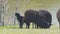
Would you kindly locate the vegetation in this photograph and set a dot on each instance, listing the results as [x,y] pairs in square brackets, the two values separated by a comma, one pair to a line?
[16,30]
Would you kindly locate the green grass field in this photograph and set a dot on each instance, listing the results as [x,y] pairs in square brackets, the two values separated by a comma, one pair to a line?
[17,30]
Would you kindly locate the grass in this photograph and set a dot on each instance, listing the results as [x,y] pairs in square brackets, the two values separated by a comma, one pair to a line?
[17,30]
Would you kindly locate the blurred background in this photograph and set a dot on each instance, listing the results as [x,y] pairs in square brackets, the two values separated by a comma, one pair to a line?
[8,8]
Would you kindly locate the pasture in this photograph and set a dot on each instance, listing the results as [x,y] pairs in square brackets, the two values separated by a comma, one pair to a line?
[16,30]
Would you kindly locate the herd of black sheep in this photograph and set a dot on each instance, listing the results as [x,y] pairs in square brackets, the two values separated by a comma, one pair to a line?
[39,19]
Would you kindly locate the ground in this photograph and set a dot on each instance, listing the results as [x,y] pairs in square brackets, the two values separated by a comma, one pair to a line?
[17,30]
